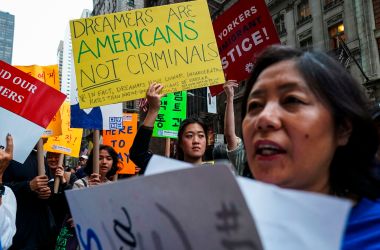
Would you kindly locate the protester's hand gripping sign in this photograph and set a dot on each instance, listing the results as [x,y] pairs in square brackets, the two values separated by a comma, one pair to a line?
[116,56]
[242,32]
[27,106]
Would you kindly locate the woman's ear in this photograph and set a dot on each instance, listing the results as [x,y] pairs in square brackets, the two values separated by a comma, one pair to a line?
[344,133]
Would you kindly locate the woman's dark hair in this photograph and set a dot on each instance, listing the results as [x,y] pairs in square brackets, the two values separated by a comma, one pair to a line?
[350,173]
[182,127]
[115,161]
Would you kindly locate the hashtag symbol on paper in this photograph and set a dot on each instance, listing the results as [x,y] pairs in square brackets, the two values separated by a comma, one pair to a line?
[228,219]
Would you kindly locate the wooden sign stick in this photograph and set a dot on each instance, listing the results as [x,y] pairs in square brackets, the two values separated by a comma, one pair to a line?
[95,159]
[40,157]
[56,179]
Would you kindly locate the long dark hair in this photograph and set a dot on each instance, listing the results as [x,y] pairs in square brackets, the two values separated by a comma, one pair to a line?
[350,169]
[182,127]
[115,161]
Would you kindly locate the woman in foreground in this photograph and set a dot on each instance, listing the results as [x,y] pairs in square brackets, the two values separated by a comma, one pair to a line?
[306,126]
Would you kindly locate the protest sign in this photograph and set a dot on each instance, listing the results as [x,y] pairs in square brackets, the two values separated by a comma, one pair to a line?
[211,102]
[27,106]
[172,112]
[118,55]
[295,217]
[197,208]
[242,32]
[70,141]
[283,215]
[121,140]
[49,75]
[102,118]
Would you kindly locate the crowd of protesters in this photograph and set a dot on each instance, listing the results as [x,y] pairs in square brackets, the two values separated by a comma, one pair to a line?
[306,125]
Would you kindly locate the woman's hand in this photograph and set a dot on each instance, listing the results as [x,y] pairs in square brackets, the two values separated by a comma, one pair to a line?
[44,193]
[229,88]
[94,179]
[38,183]
[60,172]
[153,95]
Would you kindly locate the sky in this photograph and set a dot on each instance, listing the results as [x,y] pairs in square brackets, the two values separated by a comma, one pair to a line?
[39,26]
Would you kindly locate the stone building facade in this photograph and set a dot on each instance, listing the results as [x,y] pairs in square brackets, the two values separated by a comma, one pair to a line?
[347,29]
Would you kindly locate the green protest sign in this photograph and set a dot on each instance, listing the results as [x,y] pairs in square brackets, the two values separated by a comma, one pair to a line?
[171,114]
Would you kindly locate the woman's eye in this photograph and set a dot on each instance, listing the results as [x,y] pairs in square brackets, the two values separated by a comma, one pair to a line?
[254,106]
[292,100]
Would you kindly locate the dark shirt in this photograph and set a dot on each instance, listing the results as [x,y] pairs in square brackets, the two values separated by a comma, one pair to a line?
[80,173]
[34,220]
[139,152]
[58,203]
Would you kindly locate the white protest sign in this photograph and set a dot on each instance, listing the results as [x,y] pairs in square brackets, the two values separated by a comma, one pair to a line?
[197,208]
[295,220]
[286,219]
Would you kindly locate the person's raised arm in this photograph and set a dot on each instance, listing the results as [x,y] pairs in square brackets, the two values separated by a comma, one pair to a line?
[139,152]
[229,115]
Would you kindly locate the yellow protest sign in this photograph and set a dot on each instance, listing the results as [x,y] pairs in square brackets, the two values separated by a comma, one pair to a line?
[69,142]
[49,75]
[117,55]
[121,140]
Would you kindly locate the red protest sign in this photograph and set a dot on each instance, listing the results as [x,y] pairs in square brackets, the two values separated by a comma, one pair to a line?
[27,106]
[24,95]
[241,33]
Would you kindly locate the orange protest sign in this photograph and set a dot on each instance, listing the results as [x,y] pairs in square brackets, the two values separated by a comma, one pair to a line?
[121,140]
[49,75]
[69,142]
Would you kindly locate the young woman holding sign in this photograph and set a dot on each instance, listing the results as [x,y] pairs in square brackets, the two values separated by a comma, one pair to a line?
[192,136]
[108,165]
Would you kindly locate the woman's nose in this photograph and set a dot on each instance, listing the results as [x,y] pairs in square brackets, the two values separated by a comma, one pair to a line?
[196,139]
[269,117]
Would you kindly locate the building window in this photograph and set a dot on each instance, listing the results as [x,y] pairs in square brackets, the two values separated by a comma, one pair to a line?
[336,33]
[306,43]
[304,14]
[328,4]
[279,22]
[303,9]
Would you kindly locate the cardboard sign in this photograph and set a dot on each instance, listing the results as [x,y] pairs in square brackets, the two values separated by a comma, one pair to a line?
[197,208]
[118,55]
[172,113]
[70,141]
[49,75]
[121,140]
[242,32]
[108,117]
[283,215]
[27,106]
